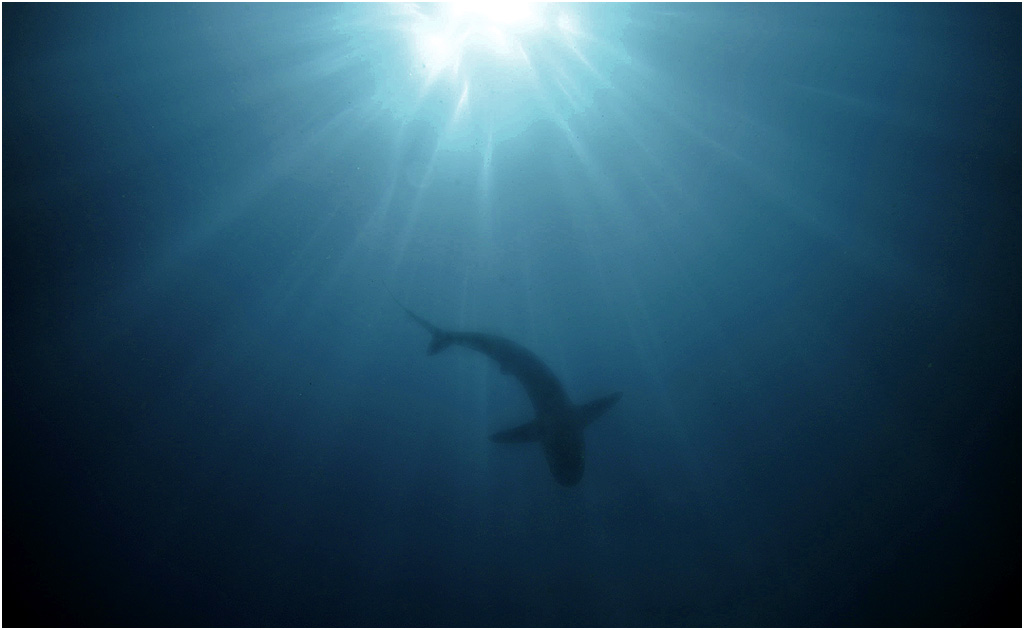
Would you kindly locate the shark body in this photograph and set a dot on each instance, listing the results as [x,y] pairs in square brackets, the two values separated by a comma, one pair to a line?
[558,424]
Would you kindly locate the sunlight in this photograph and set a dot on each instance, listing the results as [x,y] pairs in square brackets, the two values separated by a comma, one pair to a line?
[438,53]
[448,38]
[513,14]
[493,66]
[475,70]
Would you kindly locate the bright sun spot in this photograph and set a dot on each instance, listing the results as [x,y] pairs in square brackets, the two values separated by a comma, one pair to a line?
[488,70]
[513,14]
[456,35]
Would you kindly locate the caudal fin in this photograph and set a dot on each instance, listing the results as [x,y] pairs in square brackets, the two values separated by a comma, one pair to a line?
[440,340]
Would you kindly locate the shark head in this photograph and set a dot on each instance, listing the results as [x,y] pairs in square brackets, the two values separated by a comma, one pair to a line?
[563,448]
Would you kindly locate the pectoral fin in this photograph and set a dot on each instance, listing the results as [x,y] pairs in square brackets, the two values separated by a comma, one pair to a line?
[529,432]
[593,410]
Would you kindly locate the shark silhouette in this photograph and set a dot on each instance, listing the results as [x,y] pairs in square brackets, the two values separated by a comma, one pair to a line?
[558,424]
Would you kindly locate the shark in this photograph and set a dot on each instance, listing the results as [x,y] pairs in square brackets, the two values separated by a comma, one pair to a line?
[558,423]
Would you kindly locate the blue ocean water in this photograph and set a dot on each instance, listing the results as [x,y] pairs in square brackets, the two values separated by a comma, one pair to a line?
[789,234]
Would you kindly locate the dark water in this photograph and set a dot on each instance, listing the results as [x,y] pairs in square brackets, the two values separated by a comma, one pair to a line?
[789,234]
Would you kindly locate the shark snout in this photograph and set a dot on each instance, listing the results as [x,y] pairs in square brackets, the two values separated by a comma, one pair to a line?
[565,458]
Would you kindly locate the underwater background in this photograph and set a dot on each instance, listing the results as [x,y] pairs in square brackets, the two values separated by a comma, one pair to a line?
[789,234]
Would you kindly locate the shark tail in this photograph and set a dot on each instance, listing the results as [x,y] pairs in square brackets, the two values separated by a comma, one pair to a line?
[441,339]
